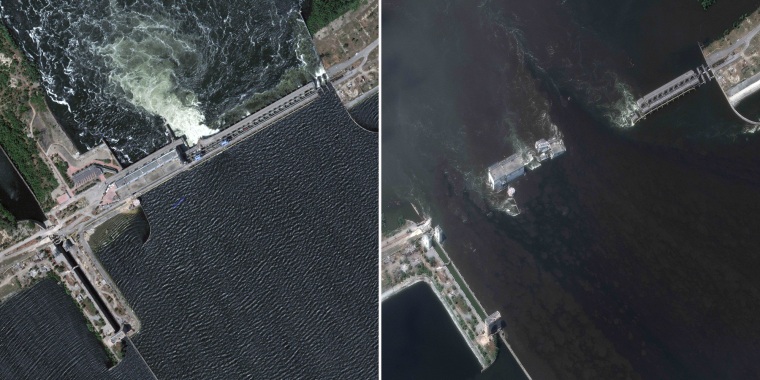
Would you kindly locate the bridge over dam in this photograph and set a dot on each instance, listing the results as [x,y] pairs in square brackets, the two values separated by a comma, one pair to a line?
[670,91]
[176,157]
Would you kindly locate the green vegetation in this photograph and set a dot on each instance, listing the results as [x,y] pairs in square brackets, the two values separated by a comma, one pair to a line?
[707,3]
[323,12]
[86,187]
[462,285]
[7,220]
[62,167]
[16,93]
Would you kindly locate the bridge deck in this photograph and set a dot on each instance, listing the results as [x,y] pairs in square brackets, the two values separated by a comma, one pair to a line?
[147,164]
[670,90]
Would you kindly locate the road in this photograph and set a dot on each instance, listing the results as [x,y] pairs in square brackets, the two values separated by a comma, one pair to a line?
[362,54]
[410,231]
[86,217]
[720,54]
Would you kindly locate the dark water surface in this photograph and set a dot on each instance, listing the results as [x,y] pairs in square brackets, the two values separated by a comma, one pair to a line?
[15,196]
[268,269]
[423,342]
[635,253]
[120,70]
[43,335]
[367,112]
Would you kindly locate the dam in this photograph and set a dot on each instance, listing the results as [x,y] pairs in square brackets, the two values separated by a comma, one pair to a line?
[670,91]
[119,193]
[177,156]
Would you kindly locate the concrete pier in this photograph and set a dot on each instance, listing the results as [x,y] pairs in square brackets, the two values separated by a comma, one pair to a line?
[410,256]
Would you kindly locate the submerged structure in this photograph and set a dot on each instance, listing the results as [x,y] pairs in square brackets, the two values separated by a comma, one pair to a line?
[503,172]
[506,171]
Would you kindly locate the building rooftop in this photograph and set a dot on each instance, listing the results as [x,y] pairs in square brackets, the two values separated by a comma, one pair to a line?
[505,167]
[557,146]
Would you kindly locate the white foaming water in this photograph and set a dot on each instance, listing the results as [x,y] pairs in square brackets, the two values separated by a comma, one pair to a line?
[622,112]
[143,61]
[320,71]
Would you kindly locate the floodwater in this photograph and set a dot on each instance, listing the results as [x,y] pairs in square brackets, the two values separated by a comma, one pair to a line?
[635,252]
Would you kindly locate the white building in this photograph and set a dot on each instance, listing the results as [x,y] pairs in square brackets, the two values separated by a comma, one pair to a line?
[438,234]
[506,171]
[425,242]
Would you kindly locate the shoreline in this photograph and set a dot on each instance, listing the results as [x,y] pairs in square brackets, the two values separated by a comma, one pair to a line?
[744,89]
[725,95]
[399,288]
[435,268]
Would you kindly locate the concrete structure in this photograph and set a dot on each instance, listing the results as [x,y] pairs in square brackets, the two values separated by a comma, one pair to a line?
[556,147]
[172,159]
[717,60]
[438,235]
[671,90]
[494,323]
[86,175]
[425,242]
[506,171]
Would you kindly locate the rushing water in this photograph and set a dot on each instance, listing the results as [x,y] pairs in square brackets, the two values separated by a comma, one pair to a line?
[120,70]
[268,268]
[43,335]
[635,253]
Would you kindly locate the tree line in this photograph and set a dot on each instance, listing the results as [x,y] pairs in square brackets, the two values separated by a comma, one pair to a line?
[322,12]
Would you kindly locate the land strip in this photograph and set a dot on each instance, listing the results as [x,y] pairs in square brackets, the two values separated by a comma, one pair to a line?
[408,257]
[735,58]
[349,50]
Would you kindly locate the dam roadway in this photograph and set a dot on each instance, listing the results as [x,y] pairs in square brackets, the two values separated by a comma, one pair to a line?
[670,91]
[172,159]
[106,200]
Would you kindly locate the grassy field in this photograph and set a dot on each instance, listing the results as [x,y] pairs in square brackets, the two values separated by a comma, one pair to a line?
[461,283]
[9,289]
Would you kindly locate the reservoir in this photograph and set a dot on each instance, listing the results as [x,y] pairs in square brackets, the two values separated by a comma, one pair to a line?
[421,341]
[262,267]
[44,336]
